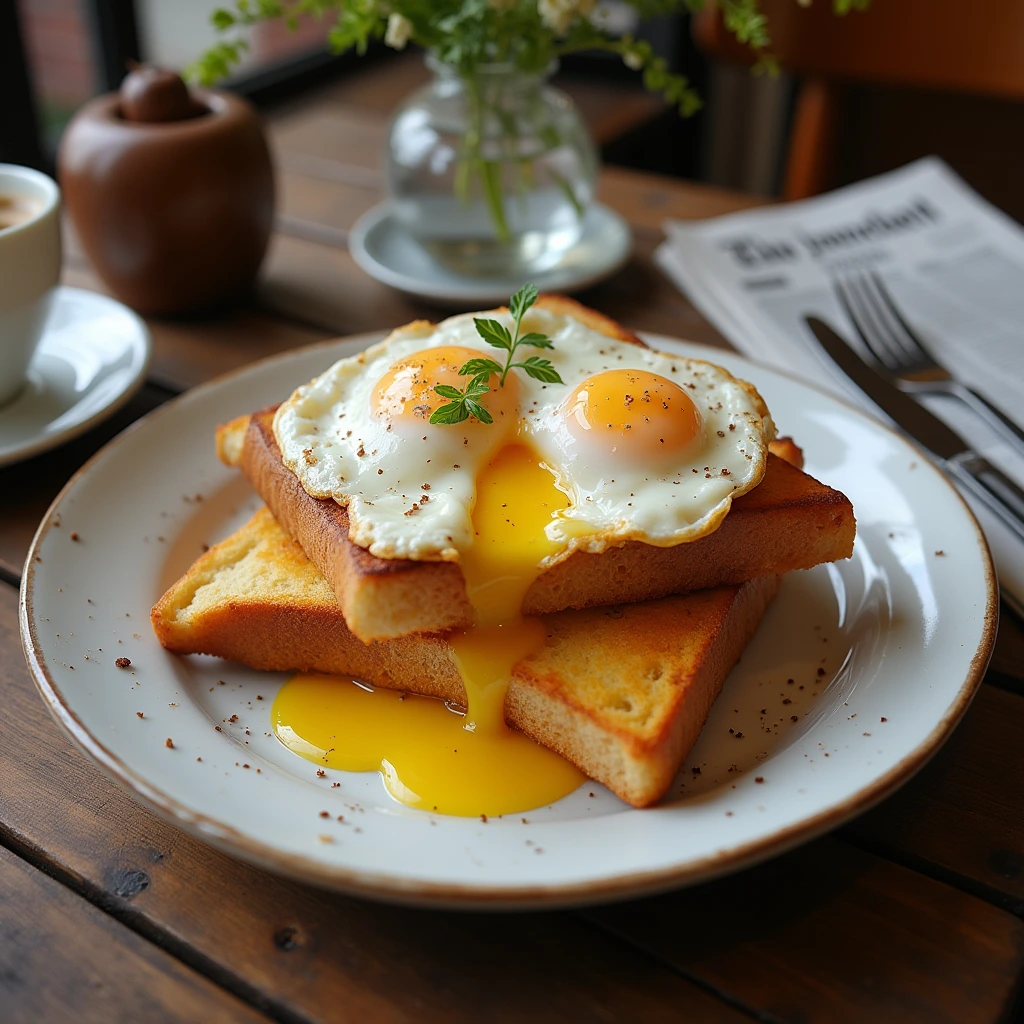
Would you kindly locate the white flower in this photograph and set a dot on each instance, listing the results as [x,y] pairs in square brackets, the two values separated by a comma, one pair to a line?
[632,60]
[398,32]
[558,15]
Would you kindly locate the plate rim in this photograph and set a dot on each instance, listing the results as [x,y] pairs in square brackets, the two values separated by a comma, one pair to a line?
[382,211]
[472,896]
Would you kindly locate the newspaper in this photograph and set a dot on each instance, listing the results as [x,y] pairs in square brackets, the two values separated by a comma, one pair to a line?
[953,263]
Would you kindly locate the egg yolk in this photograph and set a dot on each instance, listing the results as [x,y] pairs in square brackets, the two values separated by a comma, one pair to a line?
[632,414]
[516,498]
[430,757]
[406,391]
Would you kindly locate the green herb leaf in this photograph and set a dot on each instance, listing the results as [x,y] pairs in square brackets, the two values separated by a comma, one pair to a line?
[522,301]
[494,333]
[464,404]
[540,369]
[480,366]
[478,385]
[453,412]
[477,410]
[536,340]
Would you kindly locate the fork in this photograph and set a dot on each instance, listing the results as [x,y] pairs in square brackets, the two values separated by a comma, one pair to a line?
[900,351]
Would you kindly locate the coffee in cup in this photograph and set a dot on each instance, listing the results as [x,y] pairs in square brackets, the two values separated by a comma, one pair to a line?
[15,210]
[29,268]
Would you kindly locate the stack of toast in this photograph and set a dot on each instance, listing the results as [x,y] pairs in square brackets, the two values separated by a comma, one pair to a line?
[639,638]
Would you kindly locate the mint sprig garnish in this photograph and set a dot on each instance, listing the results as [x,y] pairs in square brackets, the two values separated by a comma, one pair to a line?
[464,404]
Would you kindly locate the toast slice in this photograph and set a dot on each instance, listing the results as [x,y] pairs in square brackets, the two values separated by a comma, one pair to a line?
[789,521]
[621,691]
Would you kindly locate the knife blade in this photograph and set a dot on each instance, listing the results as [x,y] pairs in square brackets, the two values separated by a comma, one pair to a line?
[913,418]
[977,475]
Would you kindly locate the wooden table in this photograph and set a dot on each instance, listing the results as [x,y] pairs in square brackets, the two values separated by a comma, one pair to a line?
[911,913]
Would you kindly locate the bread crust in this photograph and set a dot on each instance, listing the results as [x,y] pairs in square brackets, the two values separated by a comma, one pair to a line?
[622,692]
[789,521]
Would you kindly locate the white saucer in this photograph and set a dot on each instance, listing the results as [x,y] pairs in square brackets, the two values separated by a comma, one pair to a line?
[386,251]
[92,359]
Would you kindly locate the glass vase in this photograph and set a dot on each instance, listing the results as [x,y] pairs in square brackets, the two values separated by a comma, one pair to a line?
[491,172]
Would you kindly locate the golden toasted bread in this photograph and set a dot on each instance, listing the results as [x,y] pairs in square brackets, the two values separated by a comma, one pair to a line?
[621,691]
[789,521]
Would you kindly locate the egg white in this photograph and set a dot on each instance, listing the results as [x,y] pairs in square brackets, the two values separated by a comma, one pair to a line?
[383,471]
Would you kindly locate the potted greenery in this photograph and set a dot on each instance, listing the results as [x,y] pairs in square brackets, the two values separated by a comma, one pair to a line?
[489,168]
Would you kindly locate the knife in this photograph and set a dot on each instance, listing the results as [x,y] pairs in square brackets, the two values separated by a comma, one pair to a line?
[977,475]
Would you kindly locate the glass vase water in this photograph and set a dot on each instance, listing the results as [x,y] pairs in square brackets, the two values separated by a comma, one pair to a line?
[491,172]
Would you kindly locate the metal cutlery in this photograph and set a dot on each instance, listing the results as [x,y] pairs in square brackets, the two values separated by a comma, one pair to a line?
[904,355]
[977,475]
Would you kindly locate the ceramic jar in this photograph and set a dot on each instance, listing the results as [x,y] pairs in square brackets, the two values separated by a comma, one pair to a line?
[174,215]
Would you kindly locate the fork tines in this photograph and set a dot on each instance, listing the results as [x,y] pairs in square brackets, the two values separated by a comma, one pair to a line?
[879,323]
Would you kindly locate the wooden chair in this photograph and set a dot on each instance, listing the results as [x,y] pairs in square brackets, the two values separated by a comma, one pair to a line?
[975,48]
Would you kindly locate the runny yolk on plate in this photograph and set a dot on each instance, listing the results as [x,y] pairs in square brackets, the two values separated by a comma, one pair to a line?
[431,757]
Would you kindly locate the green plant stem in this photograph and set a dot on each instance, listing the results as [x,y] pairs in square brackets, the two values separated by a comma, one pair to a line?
[567,191]
[472,159]
[515,343]
[490,178]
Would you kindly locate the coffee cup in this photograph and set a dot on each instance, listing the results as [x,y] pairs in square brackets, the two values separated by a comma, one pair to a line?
[29,268]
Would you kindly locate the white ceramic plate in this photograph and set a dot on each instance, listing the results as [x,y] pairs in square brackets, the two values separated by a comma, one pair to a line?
[885,652]
[90,361]
[386,251]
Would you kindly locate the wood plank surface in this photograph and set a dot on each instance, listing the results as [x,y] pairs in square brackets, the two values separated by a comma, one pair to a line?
[322,285]
[909,914]
[291,948]
[962,814]
[1008,656]
[58,809]
[61,959]
[189,351]
[347,148]
[830,933]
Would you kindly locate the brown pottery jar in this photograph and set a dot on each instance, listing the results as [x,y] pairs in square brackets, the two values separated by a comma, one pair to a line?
[171,192]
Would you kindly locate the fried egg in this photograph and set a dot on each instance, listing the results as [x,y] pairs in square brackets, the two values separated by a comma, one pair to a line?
[645,445]
[633,445]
